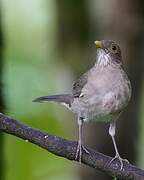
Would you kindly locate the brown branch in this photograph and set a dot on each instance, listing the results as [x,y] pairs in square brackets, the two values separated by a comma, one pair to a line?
[67,149]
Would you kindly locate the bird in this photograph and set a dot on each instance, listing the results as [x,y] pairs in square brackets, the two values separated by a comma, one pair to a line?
[99,95]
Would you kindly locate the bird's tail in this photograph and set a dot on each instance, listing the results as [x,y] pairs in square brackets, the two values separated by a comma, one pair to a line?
[65,99]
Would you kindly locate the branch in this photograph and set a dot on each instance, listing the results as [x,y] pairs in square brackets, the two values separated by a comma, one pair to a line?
[67,149]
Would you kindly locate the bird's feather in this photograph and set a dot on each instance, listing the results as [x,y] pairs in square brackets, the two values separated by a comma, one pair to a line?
[79,84]
[61,98]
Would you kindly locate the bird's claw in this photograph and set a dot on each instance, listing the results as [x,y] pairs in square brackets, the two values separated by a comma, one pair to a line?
[117,156]
[86,151]
[79,152]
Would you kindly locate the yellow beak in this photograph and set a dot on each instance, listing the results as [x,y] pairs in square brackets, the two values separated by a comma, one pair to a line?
[98,44]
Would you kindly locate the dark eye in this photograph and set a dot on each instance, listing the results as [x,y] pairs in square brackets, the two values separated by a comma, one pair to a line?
[114,48]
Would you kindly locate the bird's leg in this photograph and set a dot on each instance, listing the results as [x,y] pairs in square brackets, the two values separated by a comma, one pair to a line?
[80,147]
[112,134]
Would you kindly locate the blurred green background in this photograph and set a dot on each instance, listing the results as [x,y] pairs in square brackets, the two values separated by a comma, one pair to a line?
[45,45]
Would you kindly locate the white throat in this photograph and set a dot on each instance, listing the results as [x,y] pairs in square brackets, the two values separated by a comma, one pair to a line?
[103,58]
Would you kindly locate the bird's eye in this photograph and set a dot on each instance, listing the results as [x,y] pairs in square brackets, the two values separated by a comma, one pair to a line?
[114,48]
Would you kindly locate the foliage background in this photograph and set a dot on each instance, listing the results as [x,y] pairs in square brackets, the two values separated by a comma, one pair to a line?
[35,64]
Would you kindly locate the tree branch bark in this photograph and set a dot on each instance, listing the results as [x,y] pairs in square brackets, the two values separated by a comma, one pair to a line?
[67,149]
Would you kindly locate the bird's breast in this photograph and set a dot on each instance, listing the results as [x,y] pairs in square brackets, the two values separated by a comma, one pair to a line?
[105,95]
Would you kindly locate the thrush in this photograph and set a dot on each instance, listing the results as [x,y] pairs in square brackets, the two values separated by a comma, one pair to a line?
[101,94]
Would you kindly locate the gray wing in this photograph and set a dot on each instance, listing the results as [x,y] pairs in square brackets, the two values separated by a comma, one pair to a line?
[79,84]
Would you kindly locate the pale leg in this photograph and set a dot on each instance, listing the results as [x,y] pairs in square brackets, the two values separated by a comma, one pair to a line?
[112,134]
[80,147]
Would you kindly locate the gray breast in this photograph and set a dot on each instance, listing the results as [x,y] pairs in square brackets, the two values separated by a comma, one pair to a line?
[105,94]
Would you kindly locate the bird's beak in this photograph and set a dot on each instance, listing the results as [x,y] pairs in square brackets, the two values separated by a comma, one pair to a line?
[98,44]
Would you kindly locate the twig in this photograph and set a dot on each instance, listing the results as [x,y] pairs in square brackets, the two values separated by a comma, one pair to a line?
[67,149]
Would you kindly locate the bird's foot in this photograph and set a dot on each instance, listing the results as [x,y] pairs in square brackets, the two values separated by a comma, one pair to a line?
[79,152]
[86,151]
[117,156]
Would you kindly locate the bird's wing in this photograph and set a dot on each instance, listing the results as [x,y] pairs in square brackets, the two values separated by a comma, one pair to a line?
[79,84]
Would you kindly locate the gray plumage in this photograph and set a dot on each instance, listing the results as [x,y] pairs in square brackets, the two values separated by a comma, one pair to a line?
[105,94]
[100,94]
[79,84]
[62,98]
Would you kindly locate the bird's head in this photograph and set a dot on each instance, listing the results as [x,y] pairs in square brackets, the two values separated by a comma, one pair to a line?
[108,52]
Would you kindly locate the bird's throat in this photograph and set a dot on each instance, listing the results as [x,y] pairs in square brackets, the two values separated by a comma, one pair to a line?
[103,58]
